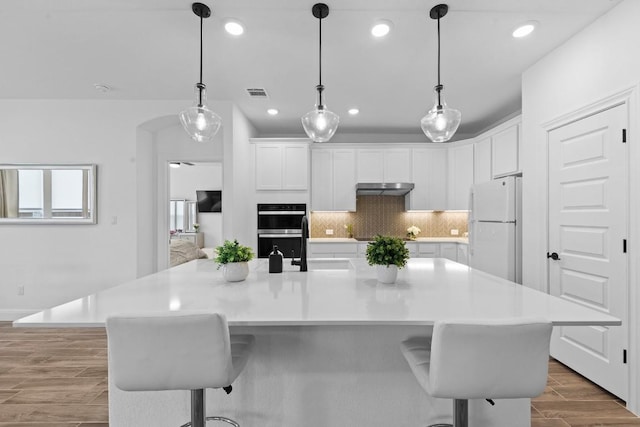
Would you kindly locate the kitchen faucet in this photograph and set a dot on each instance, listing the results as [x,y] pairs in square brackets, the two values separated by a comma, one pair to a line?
[303,246]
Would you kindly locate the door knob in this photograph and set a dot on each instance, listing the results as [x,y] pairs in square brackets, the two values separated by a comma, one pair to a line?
[554,256]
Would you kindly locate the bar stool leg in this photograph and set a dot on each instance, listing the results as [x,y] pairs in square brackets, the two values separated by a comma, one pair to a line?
[197,408]
[460,413]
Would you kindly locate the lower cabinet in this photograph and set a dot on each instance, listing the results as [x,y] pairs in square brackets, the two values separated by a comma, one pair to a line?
[450,250]
[332,250]
[463,254]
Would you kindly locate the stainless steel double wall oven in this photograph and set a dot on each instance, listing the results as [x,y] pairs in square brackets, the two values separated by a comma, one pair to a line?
[280,224]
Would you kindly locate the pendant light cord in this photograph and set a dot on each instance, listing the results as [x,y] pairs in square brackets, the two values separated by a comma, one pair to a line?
[320,53]
[439,87]
[201,21]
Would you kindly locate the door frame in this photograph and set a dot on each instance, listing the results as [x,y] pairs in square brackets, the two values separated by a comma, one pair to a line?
[630,98]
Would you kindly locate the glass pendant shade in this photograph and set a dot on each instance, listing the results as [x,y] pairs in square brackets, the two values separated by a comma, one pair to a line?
[200,122]
[441,122]
[320,124]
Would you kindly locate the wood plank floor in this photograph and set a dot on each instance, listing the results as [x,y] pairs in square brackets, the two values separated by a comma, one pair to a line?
[58,378]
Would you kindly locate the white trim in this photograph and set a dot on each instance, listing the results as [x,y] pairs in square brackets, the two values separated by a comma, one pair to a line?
[633,358]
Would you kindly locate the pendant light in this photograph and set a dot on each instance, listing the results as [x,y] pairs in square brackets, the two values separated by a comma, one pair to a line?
[320,124]
[441,122]
[198,120]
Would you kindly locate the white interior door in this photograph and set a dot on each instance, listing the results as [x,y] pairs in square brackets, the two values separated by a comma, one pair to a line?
[587,226]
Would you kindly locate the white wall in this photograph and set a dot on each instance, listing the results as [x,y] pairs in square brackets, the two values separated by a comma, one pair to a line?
[183,183]
[132,143]
[598,62]
[56,263]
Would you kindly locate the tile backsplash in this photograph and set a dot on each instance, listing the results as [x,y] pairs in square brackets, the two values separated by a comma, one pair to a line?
[386,215]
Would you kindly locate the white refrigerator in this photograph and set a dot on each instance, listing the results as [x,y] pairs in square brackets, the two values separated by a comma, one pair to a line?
[495,234]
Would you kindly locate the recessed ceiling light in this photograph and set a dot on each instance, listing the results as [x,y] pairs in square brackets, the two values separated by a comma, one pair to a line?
[233,27]
[272,111]
[381,28]
[524,29]
[353,111]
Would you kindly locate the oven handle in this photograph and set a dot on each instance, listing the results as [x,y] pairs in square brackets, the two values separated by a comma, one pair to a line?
[281,212]
[281,236]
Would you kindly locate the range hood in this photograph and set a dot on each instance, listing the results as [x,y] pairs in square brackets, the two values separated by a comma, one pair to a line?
[383,188]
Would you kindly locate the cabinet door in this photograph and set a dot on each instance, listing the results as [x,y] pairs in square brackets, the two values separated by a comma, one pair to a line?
[418,198]
[449,251]
[397,165]
[460,176]
[344,180]
[370,165]
[428,250]
[268,167]
[321,180]
[295,171]
[463,256]
[482,161]
[437,182]
[506,151]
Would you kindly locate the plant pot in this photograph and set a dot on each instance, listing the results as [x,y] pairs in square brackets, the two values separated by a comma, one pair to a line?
[387,273]
[235,271]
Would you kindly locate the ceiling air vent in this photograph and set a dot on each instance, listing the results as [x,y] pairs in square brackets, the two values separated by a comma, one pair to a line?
[257,93]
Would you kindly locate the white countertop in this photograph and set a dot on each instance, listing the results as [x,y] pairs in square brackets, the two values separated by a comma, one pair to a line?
[427,290]
[464,240]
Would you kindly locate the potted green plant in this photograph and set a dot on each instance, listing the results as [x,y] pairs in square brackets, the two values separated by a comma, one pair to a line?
[234,258]
[388,254]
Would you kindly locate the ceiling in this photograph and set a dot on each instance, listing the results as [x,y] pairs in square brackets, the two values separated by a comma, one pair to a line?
[149,49]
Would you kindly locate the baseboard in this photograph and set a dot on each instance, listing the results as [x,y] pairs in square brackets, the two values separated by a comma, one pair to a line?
[11,314]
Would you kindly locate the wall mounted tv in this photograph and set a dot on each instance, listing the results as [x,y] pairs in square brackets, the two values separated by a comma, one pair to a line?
[209,201]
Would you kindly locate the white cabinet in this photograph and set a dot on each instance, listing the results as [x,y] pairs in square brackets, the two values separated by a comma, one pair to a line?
[333,180]
[482,161]
[506,148]
[370,165]
[282,166]
[449,251]
[463,254]
[428,250]
[384,165]
[397,165]
[333,250]
[429,174]
[460,175]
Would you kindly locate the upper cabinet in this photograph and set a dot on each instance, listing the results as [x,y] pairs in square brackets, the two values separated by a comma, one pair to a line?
[506,149]
[384,165]
[282,166]
[482,161]
[460,176]
[333,179]
[429,175]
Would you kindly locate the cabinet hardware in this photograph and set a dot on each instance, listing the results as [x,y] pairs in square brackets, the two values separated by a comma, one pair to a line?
[624,135]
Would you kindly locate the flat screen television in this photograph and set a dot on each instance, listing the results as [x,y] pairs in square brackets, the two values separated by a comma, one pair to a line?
[209,201]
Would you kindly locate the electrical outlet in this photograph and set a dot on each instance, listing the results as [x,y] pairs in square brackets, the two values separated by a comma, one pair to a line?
[20,289]
[329,231]
[454,231]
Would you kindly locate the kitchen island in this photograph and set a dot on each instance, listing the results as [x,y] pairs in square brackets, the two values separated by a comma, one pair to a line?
[327,341]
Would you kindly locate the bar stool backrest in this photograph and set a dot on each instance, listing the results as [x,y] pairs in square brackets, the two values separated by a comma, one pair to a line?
[176,351]
[497,359]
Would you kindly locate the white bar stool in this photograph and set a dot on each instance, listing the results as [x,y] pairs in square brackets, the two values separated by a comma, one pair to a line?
[176,351]
[496,359]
